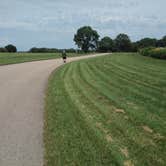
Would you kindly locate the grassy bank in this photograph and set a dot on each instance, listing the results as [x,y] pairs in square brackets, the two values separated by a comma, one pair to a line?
[107,111]
[11,58]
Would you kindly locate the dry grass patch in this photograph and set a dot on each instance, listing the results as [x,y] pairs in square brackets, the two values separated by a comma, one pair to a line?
[120,111]
[109,138]
[126,117]
[128,163]
[124,151]
[147,129]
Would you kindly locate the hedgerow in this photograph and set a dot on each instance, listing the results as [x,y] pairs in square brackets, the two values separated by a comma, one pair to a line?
[154,52]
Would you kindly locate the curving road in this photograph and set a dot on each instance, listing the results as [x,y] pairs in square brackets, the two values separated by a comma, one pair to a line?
[22,89]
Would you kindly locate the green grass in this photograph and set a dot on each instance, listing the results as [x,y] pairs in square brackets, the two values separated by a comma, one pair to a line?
[109,110]
[11,58]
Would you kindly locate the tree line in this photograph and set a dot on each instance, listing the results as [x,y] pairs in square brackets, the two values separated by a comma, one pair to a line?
[50,50]
[87,39]
[8,48]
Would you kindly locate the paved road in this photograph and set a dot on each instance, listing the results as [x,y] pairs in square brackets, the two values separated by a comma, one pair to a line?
[22,89]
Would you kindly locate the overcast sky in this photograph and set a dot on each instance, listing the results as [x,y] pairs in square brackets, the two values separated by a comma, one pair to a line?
[52,23]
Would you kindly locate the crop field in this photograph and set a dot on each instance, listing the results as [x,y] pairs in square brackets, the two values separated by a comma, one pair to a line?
[11,58]
[108,110]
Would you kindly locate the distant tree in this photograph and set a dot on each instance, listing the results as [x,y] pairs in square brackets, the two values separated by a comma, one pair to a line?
[40,50]
[106,44]
[11,48]
[86,38]
[134,47]
[147,42]
[2,49]
[162,42]
[33,50]
[70,50]
[123,43]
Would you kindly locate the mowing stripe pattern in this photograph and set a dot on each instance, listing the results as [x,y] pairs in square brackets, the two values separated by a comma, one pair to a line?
[108,110]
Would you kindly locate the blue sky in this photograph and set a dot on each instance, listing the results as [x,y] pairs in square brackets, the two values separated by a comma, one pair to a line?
[52,23]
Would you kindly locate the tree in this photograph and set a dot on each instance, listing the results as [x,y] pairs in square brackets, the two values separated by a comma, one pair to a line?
[11,48]
[147,42]
[162,42]
[123,43]
[106,44]
[134,47]
[86,38]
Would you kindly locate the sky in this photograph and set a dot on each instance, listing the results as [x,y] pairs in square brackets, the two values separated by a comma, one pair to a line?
[53,23]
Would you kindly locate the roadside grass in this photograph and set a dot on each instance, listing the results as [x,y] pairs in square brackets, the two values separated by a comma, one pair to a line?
[11,58]
[108,110]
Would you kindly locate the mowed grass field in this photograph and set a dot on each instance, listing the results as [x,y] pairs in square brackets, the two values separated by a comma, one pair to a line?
[108,110]
[11,58]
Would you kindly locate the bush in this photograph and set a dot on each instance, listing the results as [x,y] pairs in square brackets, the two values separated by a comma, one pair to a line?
[158,53]
[146,51]
[154,52]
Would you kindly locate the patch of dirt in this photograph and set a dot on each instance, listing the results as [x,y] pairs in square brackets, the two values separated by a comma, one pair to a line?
[147,129]
[120,111]
[124,151]
[128,163]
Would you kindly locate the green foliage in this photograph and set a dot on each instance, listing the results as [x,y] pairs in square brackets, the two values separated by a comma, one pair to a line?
[11,48]
[162,42]
[145,51]
[154,52]
[147,42]
[86,38]
[134,47]
[123,43]
[106,44]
